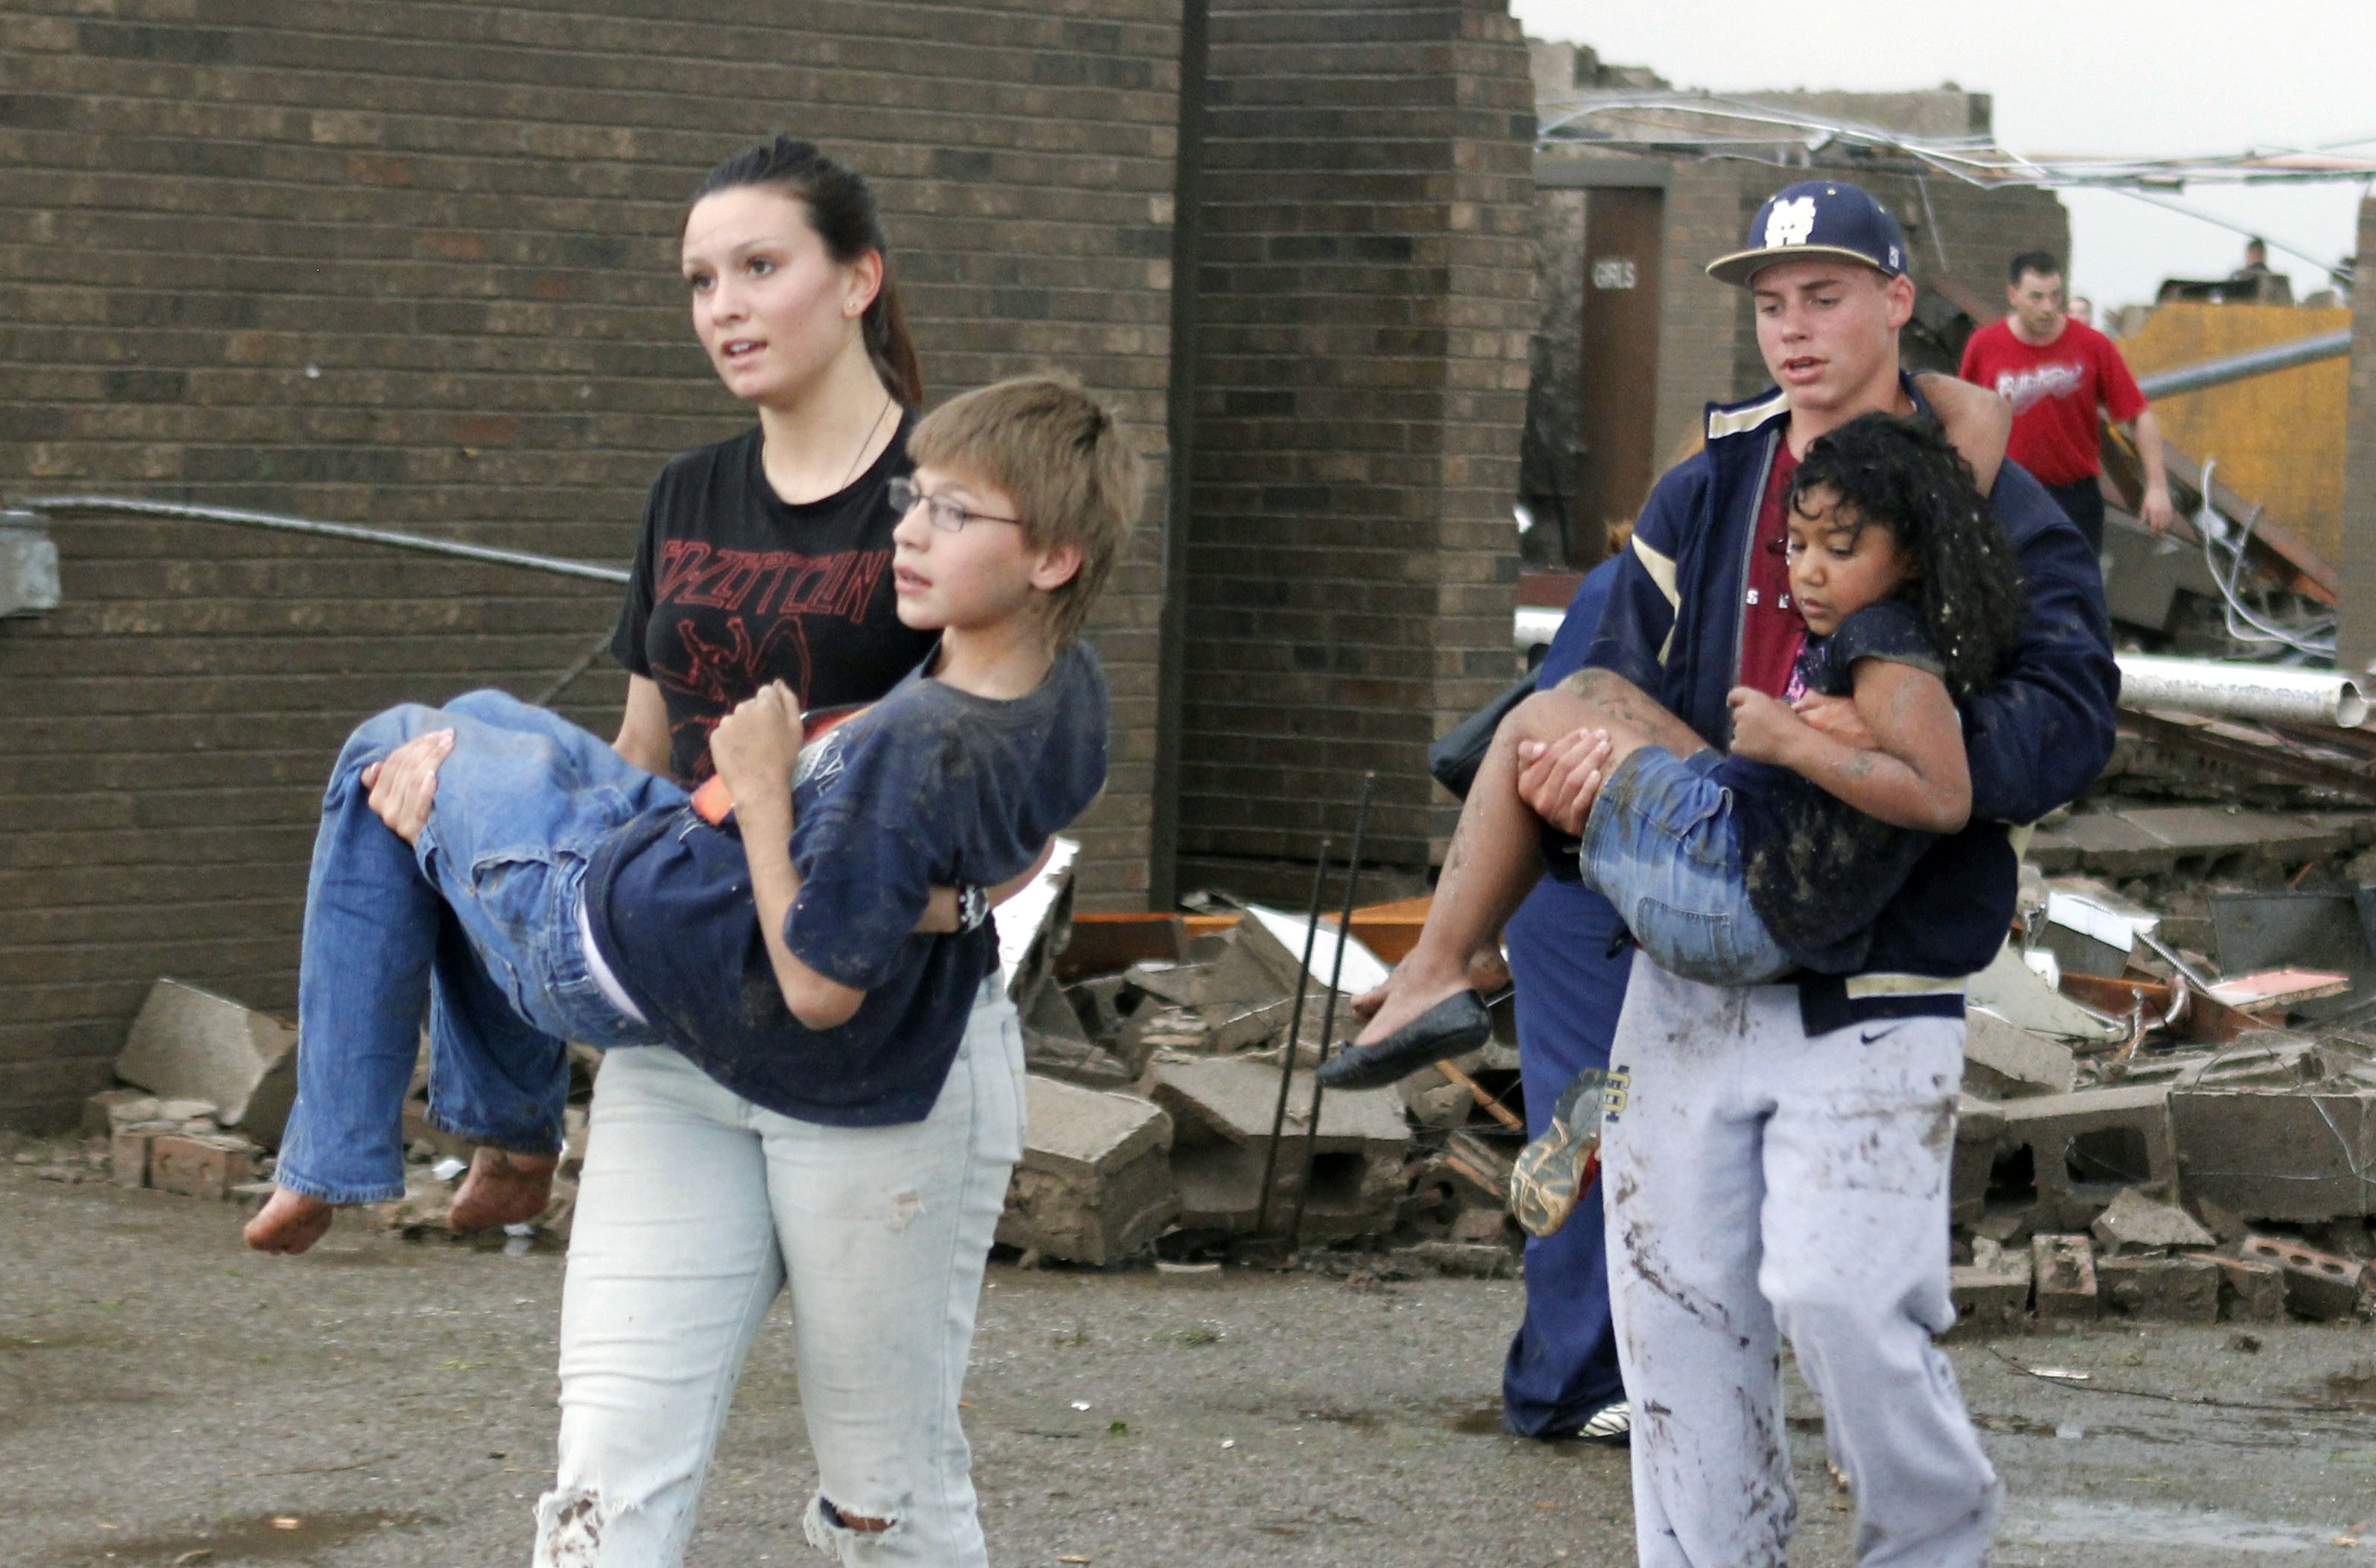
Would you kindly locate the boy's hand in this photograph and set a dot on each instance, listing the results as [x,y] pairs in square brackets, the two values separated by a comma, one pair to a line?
[403,784]
[1560,779]
[1763,727]
[1837,717]
[755,746]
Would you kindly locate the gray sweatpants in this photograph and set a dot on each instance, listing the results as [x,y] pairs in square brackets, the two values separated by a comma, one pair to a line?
[1759,1182]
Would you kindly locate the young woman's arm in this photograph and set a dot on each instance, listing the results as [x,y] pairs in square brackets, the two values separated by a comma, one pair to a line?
[1916,776]
[754,749]
[643,736]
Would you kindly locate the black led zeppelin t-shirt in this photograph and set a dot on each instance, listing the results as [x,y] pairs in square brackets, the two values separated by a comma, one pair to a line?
[734,587]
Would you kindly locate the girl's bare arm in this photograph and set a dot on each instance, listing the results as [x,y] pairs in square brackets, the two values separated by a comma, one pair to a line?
[1916,776]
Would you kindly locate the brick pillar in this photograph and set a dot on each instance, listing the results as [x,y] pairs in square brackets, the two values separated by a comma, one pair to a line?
[1365,302]
[2356,644]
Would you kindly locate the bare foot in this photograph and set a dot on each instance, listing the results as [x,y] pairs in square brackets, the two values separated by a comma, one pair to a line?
[501,1189]
[1407,992]
[289,1222]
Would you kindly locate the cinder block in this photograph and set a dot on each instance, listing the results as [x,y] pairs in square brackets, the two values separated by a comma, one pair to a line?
[1991,1300]
[1095,1181]
[201,1165]
[1221,1110]
[2160,1289]
[2065,1267]
[2318,1285]
[2271,1153]
[2251,1290]
[1979,1127]
[2072,1154]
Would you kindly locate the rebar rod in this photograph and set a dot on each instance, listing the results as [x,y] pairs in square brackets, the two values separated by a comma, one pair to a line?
[1328,1008]
[1294,1032]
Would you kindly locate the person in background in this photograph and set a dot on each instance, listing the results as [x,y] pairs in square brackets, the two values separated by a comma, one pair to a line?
[2082,309]
[1569,962]
[2056,372]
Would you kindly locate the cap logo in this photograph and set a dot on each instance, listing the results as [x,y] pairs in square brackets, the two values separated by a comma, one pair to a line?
[1895,265]
[1790,221]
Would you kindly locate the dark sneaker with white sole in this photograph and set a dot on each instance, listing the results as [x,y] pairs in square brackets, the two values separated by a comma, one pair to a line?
[1553,1171]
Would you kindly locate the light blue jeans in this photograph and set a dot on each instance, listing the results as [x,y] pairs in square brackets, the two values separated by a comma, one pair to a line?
[695,1209]
[477,919]
[1661,846]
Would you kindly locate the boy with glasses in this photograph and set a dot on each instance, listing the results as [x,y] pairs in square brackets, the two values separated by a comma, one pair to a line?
[535,889]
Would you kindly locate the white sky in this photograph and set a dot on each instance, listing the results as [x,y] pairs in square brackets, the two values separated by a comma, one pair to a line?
[2136,77]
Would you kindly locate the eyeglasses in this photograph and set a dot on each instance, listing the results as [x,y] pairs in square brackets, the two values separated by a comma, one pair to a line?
[939,510]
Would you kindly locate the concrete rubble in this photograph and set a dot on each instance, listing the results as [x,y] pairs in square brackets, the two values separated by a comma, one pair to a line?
[2127,1145]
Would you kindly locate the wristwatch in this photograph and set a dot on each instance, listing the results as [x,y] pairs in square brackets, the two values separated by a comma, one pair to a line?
[973,906]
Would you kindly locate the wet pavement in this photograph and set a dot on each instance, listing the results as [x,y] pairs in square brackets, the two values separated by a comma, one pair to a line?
[165,1394]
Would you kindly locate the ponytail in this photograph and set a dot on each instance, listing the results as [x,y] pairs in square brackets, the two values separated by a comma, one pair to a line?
[842,212]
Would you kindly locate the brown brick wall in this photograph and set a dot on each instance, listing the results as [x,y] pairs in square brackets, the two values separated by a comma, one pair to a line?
[1365,302]
[411,265]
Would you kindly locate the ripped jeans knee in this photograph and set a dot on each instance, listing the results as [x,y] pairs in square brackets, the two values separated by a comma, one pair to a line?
[844,1535]
[569,1527]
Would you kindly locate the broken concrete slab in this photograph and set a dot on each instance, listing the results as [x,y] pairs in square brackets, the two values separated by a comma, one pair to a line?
[1054,1042]
[2069,1155]
[2184,1289]
[2135,1224]
[2013,992]
[1221,1109]
[2318,1285]
[2271,1153]
[2065,1271]
[1095,1181]
[2003,1060]
[191,1044]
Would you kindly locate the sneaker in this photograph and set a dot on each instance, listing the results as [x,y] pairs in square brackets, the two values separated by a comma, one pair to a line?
[1612,1425]
[1553,1169]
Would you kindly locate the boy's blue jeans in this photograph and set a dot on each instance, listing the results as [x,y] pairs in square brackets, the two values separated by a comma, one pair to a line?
[1660,845]
[477,919]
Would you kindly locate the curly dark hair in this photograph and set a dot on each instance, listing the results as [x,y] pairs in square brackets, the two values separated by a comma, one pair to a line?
[1902,474]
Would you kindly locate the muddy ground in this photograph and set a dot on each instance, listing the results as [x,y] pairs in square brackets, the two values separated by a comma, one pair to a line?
[380,1402]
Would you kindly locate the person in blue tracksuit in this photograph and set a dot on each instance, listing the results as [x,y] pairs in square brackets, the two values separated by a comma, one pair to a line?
[1569,959]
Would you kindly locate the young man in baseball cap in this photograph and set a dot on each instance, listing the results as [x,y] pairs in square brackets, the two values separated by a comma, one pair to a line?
[1775,1157]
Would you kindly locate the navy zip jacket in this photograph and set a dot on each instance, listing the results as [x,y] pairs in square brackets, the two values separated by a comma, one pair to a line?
[2035,739]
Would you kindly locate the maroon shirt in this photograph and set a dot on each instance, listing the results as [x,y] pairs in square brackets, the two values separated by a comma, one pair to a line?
[1771,630]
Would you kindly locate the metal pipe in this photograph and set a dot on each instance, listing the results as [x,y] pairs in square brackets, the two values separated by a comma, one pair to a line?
[1294,1032]
[2219,690]
[2252,362]
[1329,1008]
[555,564]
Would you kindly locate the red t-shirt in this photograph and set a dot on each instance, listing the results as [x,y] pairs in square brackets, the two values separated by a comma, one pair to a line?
[1771,632]
[2054,392]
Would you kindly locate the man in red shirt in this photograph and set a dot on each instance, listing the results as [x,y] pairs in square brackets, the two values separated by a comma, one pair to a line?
[2056,372]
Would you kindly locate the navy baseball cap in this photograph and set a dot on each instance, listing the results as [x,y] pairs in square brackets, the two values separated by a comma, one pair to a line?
[1817,217]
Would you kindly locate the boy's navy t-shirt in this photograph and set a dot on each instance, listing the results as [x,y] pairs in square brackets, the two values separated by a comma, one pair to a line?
[1819,872]
[931,785]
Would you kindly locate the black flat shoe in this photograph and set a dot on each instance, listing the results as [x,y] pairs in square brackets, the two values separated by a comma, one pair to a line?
[1456,1024]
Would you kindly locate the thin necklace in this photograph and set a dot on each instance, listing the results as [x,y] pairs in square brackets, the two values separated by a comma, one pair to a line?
[863,445]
